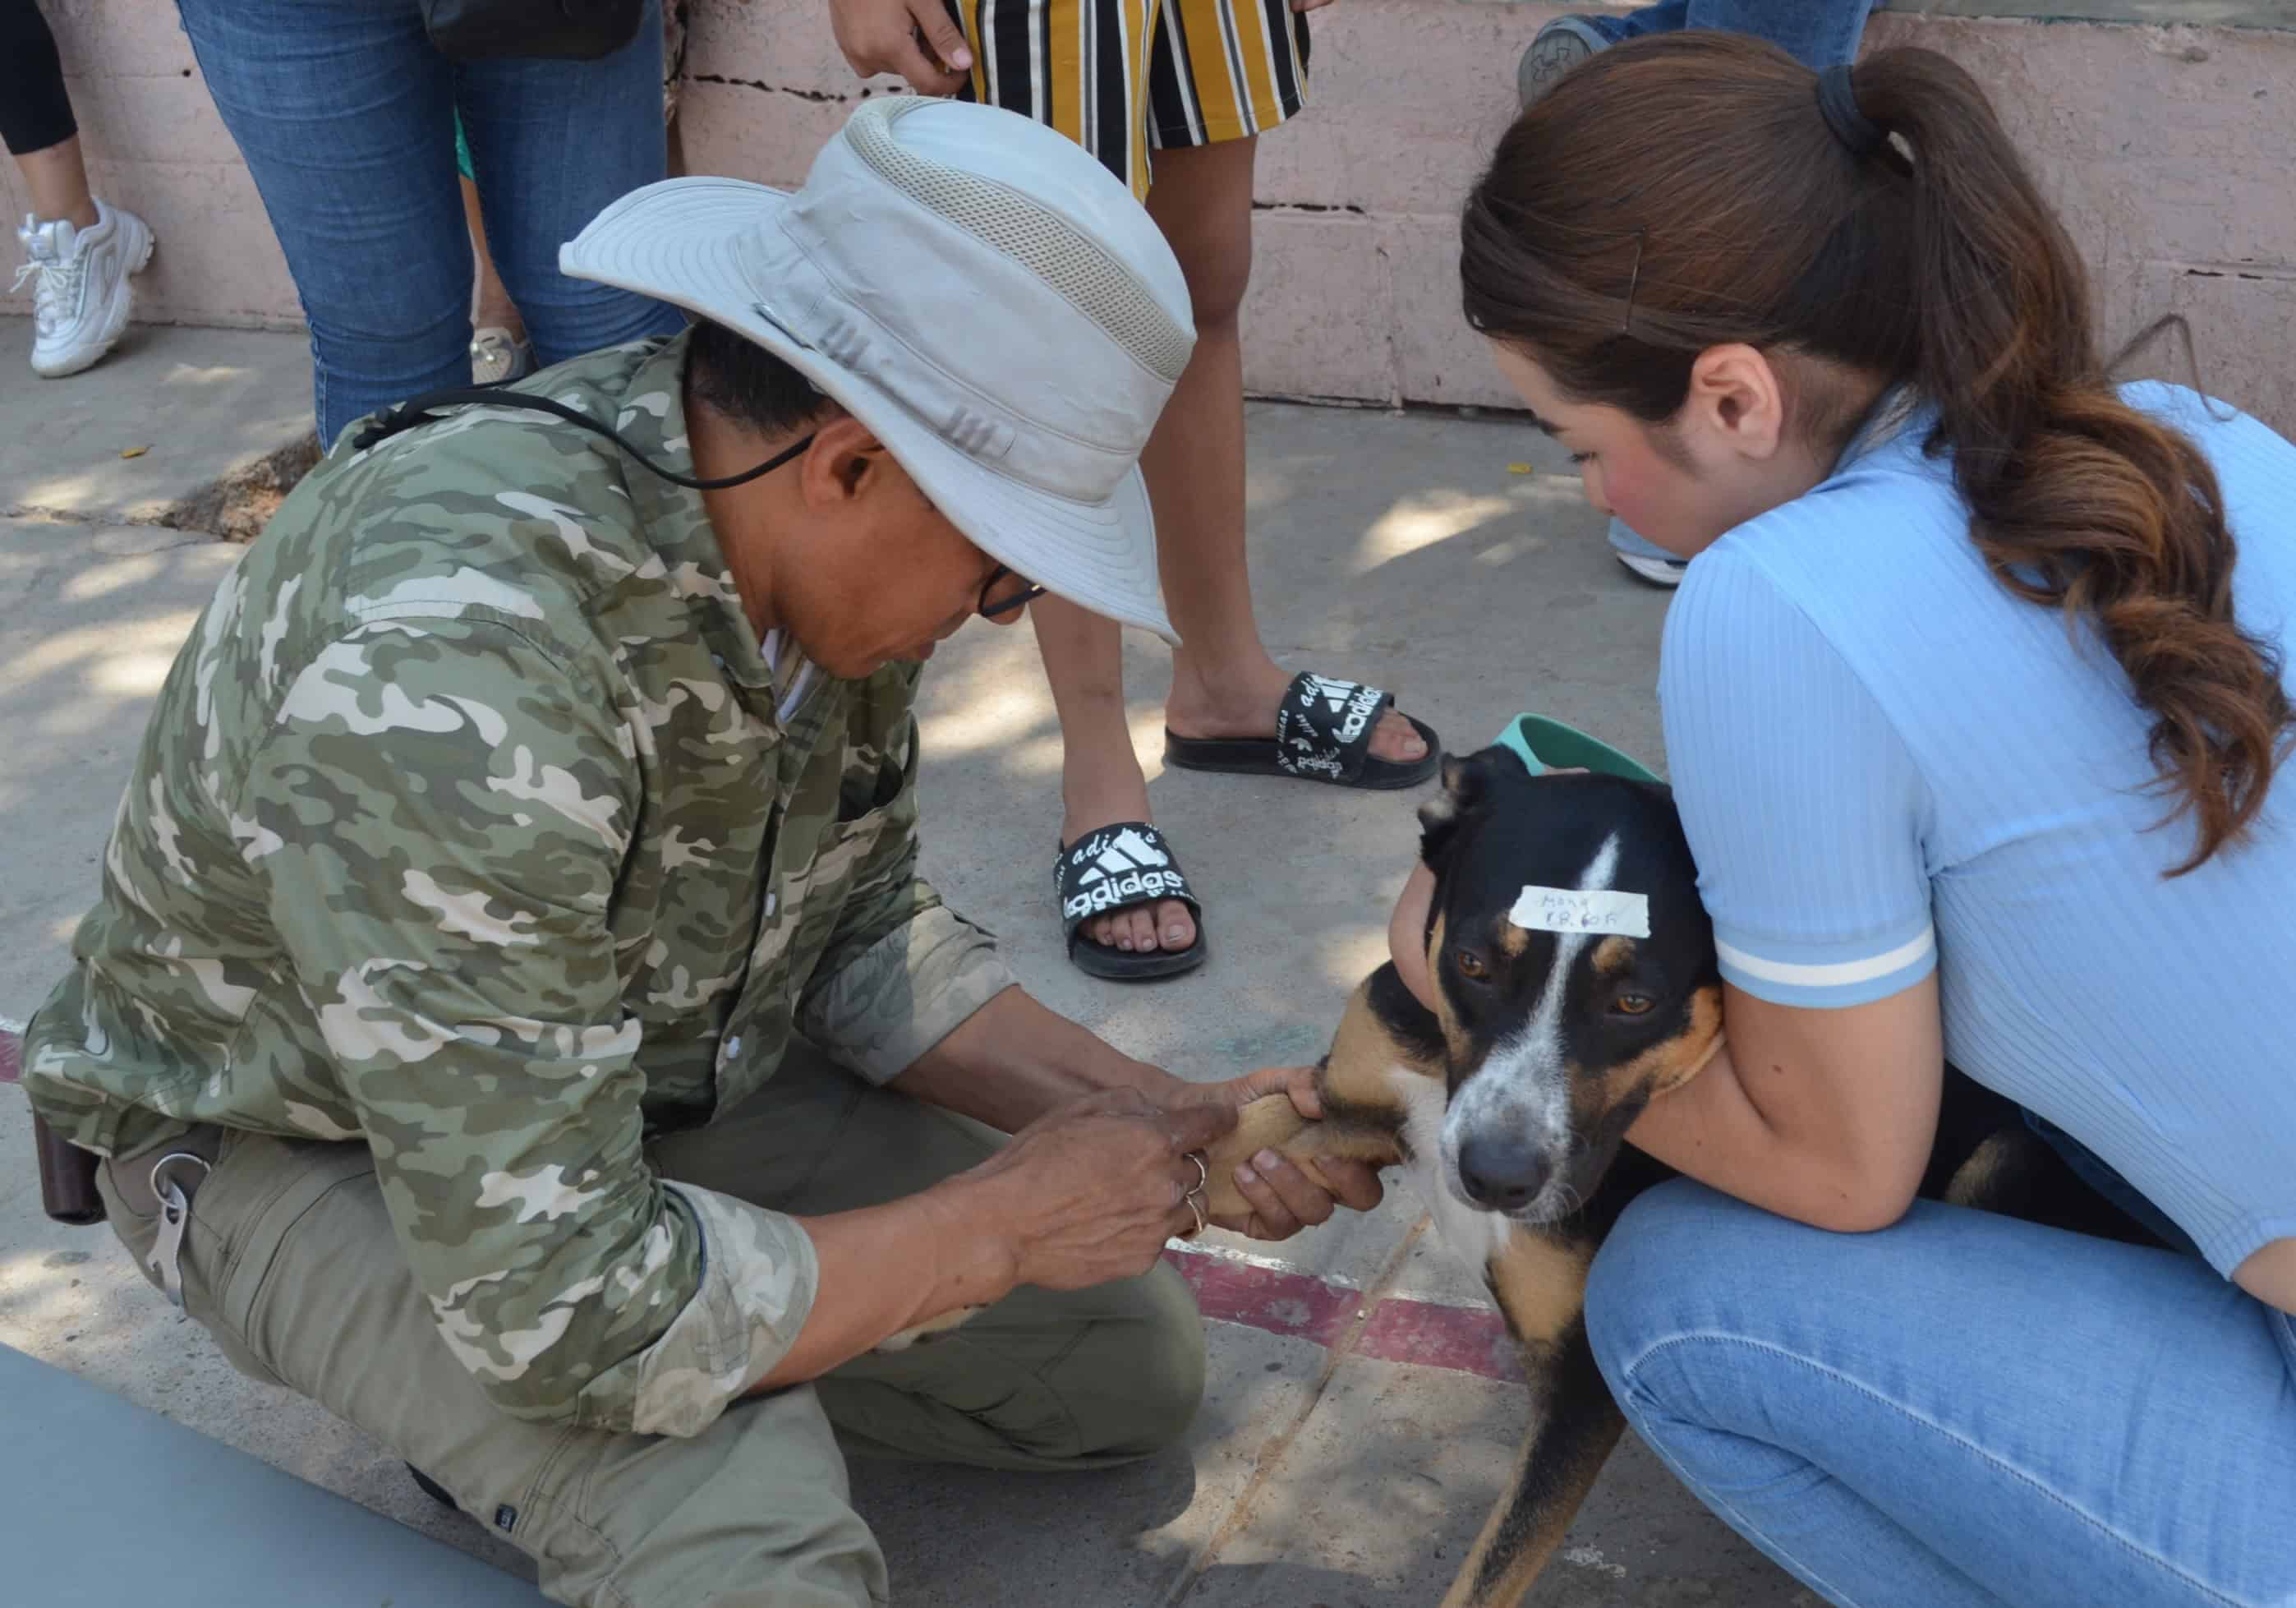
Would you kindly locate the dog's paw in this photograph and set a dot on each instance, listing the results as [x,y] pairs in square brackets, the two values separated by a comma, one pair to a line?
[925,1331]
[1271,1122]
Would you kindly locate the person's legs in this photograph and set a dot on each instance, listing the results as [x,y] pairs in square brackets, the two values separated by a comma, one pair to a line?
[345,115]
[499,349]
[1962,1411]
[557,142]
[1203,128]
[1816,33]
[1079,1379]
[36,117]
[81,251]
[56,176]
[292,1267]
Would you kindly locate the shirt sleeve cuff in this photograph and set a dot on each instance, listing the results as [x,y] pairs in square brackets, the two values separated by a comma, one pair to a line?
[1827,977]
[905,994]
[758,1276]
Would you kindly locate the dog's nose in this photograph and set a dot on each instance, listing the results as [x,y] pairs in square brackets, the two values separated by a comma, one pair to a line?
[1503,1172]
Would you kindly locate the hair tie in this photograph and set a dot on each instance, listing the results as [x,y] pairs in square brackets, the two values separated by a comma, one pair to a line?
[1837,102]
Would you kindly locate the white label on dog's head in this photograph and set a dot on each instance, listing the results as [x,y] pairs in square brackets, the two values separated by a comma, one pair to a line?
[1572,910]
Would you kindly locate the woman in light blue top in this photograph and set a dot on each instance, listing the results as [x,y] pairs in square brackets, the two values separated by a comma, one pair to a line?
[1977,707]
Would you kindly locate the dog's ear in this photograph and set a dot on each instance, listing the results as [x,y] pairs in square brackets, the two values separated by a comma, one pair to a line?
[1467,786]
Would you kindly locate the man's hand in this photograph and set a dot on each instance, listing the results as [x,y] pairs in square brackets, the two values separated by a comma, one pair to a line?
[1091,1192]
[916,39]
[1283,1199]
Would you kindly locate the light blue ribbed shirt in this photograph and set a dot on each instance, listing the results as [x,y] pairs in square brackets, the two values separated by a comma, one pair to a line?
[1886,764]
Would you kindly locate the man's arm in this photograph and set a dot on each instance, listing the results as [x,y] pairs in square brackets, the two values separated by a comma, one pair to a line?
[1013,1060]
[1087,1195]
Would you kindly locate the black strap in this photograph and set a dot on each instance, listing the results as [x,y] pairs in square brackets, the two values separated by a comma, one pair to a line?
[1324,726]
[1124,864]
[1837,102]
[408,415]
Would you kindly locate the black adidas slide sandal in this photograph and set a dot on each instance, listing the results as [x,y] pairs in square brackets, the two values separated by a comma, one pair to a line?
[1323,734]
[1126,864]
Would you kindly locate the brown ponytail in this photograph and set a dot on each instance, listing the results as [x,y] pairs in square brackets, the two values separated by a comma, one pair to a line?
[1686,192]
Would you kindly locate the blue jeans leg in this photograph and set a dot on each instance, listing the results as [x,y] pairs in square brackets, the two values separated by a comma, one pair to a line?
[1816,33]
[346,117]
[1962,1411]
[572,138]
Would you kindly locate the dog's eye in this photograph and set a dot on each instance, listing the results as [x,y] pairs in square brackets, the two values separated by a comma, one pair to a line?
[1470,964]
[1633,1004]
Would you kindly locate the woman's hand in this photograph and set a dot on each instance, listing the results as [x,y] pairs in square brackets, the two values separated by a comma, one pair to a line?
[1283,1199]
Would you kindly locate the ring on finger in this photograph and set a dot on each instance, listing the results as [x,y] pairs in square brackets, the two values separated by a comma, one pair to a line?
[1203,1172]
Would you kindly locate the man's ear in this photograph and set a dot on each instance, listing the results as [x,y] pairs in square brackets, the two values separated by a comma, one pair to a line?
[1737,401]
[844,462]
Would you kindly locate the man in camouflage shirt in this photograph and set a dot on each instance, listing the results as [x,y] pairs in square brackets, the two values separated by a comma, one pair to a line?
[513,1017]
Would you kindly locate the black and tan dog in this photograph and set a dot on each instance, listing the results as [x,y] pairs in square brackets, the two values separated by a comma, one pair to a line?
[1508,1102]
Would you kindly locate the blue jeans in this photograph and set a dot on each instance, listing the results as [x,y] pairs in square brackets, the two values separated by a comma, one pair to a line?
[1962,1411]
[1817,33]
[346,116]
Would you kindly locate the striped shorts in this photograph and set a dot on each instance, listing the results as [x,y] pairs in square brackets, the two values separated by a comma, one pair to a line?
[1124,79]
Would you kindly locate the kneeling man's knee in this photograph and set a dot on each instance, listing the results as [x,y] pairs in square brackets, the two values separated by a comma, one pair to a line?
[1146,1362]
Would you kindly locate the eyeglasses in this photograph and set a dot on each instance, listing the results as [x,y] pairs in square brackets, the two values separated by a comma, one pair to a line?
[1016,598]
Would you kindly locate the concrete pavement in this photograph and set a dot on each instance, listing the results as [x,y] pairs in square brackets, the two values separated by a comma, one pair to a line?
[1360,1418]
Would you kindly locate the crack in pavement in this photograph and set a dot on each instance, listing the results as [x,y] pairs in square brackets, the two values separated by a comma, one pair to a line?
[1278,1444]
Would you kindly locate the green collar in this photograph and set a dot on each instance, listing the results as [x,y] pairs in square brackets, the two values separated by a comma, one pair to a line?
[1544,745]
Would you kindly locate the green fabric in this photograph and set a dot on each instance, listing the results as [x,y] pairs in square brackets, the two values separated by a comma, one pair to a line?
[1544,745]
[293,1265]
[462,152]
[473,821]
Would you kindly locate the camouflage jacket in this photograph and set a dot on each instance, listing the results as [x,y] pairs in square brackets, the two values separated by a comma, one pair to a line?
[471,824]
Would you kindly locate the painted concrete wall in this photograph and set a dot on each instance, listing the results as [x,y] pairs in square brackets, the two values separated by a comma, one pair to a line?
[2171,149]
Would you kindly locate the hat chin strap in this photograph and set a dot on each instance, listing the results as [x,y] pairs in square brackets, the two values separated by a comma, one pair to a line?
[412,414]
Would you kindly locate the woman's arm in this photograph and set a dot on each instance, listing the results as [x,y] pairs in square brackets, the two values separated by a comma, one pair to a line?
[1826,1117]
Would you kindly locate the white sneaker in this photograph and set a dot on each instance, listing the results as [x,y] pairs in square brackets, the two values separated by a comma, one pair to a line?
[81,301]
[1660,571]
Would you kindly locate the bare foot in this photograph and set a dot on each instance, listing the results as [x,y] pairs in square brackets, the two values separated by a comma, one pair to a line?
[1223,703]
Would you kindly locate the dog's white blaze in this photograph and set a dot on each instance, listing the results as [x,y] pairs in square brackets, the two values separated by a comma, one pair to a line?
[1471,1234]
[1523,1083]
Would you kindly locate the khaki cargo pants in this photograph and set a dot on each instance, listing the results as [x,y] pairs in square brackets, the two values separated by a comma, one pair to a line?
[291,1264]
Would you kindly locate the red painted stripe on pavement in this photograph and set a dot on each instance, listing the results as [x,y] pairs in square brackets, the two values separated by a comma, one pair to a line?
[1297,1304]
[1438,1336]
[1428,1333]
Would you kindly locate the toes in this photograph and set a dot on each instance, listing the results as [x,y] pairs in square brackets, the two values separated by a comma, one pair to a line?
[1141,929]
[1396,738]
[1144,928]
